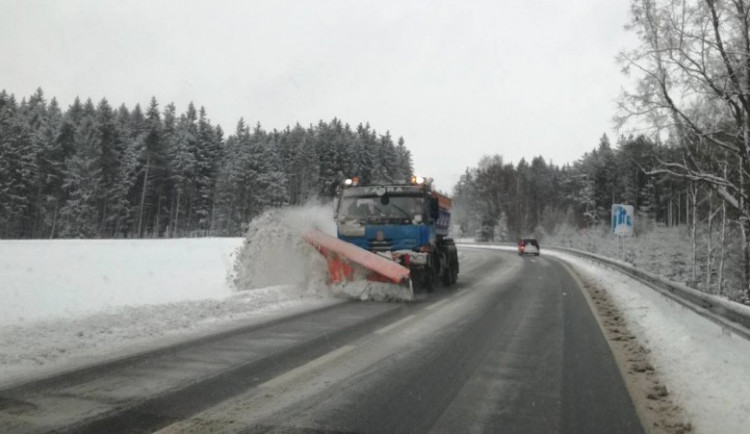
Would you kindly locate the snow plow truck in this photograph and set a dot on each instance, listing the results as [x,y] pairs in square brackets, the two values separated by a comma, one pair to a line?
[395,233]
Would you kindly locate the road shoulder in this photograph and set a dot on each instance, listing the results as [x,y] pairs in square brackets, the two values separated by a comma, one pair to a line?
[654,406]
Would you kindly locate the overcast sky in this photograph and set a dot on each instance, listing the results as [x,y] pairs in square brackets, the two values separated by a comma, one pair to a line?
[457,79]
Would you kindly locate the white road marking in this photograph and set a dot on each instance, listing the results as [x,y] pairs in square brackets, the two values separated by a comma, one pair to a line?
[392,326]
[299,371]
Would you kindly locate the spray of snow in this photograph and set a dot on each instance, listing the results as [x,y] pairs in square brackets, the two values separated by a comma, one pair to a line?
[275,253]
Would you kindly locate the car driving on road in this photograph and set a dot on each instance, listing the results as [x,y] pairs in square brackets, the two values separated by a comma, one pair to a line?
[528,246]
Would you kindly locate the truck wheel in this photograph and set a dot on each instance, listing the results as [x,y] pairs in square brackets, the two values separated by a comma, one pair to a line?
[454,272]
[429,281]
[432,274]
[451,274]
[417,281]
[445,267]
[448,276]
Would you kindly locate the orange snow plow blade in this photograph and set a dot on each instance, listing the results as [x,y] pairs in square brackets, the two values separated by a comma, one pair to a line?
[343,257]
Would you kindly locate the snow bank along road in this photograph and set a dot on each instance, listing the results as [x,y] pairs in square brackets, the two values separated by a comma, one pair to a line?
[513,348]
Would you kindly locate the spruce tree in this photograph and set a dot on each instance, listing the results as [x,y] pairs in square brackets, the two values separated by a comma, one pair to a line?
[82,183]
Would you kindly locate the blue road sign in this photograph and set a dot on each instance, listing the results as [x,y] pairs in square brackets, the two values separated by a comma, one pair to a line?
[622,219]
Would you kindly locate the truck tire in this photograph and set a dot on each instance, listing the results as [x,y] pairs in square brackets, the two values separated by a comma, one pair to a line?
[424,280]
[429,284]
[432,273]
[448,275]
[450,258]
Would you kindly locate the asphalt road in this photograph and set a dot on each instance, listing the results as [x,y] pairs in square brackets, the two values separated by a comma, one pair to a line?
[512,348]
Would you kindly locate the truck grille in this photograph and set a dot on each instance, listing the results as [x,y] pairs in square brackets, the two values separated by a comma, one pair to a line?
[381,246]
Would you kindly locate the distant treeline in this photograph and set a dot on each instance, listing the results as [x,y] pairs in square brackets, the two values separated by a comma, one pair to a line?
[498,200]
[502,202]
[93,171]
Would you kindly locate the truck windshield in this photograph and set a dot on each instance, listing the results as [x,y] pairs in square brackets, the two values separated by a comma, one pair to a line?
[399,209]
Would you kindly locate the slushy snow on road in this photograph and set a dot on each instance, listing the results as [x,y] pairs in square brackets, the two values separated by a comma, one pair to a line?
[704,366]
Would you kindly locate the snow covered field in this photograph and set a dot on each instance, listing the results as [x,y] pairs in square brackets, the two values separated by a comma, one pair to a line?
[70,302]
[70,278]
[67,302]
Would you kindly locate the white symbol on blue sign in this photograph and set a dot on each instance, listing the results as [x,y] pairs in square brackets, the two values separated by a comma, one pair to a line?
[622,219]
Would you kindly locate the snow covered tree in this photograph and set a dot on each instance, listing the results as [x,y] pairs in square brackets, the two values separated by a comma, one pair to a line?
[180,138]
[274,178]
[502,232]
[113,206]
[208,154]
[82,182]
[693,83]
[153,185]
[99,172]
[404,167]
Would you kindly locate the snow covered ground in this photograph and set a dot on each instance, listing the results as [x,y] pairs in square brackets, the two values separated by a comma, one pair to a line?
[68,303]
[72,302]
[703,366]
[71,278]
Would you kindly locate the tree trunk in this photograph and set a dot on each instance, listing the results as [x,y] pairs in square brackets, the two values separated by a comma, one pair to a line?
[155,234]
[36,230]
[744,221]
[693,226]
[139,229]
[709,240]
[669,208]
[214,202]
[191,204]
[103,222]
[723,245]
[176,226]
[54,220]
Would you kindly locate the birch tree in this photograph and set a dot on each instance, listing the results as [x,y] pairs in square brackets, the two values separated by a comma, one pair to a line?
[693,64]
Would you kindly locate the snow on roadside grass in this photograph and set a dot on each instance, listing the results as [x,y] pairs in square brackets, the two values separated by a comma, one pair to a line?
[68,303]
[76,302]
[664,251]
[71,278]
[702,365]
[28,350]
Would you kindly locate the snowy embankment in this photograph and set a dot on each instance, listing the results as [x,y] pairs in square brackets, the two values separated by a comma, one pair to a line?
[70,278]
[67,303]
[702,365]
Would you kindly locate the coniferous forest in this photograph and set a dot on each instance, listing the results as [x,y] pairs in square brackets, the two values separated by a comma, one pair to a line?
[96,171]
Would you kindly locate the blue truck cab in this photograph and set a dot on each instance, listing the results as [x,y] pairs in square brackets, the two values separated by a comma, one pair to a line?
[407,223]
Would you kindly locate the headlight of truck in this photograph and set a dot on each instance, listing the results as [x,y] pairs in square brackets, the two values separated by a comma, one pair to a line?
[351,229]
